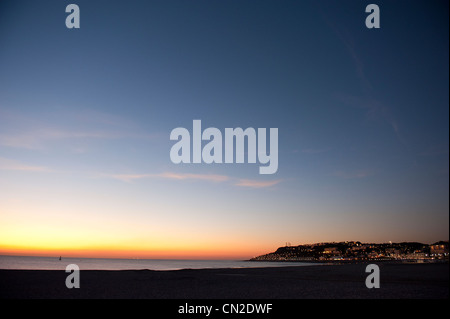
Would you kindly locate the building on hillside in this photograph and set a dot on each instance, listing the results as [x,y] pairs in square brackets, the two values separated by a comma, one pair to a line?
[439,249]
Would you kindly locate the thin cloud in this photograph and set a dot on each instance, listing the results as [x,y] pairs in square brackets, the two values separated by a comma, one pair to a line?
[205,177]
[375,111]
[357,61]
[25,130]
[90,116]
[354,174]
[36,139]
[375,108]
[316,151]
[435,150]
[256,183]
[128,177]
[347,40]
[200,177]
[170,175]
[12,165]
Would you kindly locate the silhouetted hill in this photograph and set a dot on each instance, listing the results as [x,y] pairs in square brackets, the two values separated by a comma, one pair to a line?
[355,250]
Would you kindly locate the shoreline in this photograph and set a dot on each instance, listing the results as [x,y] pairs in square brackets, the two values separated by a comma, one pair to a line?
[336,281]
[338,261]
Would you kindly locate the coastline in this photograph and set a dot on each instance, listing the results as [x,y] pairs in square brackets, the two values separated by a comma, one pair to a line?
[347,261]
[326,281]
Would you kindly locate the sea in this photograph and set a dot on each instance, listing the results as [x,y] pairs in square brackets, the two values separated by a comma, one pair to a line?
[54,263]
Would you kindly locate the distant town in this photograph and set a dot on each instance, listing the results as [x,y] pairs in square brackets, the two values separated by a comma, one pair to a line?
[357,251]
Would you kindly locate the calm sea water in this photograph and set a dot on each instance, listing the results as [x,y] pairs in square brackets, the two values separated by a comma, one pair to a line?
[53,263]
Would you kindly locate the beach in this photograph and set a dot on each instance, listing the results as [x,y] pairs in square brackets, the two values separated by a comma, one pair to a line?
[340,281]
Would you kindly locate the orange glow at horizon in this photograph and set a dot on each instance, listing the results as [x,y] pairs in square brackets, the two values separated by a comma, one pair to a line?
[61,242]
[130,253]
[74,234]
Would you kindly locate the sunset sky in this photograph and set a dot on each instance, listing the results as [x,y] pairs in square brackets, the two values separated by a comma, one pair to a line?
[86,115]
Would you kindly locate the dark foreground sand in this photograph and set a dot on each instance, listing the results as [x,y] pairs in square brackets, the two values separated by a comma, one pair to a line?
[325,281]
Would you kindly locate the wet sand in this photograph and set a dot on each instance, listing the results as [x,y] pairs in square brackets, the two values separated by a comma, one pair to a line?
[398,281]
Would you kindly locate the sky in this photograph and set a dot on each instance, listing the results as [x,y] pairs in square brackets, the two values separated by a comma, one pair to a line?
[86,116]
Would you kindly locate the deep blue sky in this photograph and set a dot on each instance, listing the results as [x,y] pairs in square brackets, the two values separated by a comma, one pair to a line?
[362,116]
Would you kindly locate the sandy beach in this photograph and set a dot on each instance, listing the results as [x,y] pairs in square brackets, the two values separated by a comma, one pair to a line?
[398,281]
